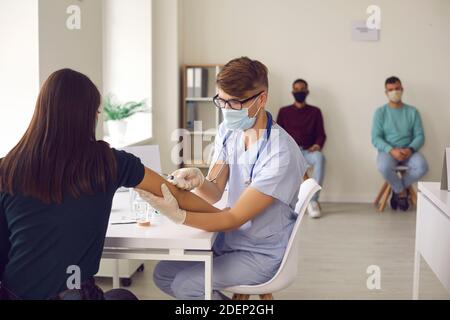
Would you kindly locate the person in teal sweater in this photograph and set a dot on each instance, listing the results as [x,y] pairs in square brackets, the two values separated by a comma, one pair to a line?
[398,135]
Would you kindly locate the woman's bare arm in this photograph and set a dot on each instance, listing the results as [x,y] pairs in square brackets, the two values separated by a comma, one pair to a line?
[187,200]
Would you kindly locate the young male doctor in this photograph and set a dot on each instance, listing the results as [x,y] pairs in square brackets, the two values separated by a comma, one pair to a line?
[263,168]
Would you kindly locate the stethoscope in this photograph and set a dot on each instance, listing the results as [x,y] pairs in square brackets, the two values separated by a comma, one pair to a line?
[261,148]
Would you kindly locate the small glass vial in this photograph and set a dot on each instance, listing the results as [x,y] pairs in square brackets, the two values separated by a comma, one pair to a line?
[141,209]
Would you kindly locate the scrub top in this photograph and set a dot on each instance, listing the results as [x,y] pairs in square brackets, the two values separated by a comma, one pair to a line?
[278,172]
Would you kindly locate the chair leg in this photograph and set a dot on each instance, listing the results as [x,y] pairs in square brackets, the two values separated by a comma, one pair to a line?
[267,296]
[237,296]
[306,176]
[380,193]
[385,198]
[413,193]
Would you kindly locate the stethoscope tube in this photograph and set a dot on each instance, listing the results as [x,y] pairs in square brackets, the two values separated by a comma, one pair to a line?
[224,144]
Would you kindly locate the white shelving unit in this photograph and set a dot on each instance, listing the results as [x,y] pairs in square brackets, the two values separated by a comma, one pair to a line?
[199,116]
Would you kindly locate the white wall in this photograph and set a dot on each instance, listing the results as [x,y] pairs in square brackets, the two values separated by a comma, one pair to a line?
[127,48]
[166,77]
[311,39]
[127,59]
[19,77]
[60,47]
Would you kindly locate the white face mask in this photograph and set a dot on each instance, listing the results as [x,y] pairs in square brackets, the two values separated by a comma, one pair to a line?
[239,119]
[395,96]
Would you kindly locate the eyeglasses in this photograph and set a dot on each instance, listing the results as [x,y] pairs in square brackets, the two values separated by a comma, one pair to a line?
[233,103]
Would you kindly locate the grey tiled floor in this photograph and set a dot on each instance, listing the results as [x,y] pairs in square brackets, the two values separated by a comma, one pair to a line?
[335,252]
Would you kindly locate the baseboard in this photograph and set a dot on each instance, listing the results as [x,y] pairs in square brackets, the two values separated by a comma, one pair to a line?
[339,198]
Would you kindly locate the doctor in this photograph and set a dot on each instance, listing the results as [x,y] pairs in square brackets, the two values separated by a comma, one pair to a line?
[263,168]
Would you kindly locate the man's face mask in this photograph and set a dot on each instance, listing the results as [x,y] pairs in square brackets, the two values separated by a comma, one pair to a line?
[300,96]
[395,95]
[236,116]
[239,119]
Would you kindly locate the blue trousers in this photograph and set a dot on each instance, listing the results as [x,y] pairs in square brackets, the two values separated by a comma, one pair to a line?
[185,280]
[416,163]
[317,160]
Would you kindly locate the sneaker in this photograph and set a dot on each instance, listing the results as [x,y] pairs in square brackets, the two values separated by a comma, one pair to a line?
[403,202]
[394,201]
[314,210]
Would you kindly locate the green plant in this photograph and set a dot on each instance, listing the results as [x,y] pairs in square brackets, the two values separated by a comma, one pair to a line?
[119,111]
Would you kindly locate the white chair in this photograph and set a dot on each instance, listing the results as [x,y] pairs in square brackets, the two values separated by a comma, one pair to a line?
[287,272]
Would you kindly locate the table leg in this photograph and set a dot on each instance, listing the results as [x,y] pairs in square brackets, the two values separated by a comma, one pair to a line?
[208,276]
[416,276]
[116,278]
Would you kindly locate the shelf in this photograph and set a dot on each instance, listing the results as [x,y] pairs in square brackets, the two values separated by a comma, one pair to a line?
[200,99]
[200,166]
[205,133]
[198,114]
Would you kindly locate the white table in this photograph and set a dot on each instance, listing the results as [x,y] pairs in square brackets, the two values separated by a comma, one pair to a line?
[432,233]
[161,241]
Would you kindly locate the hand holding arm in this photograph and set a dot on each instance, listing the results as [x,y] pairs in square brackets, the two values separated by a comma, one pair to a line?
[187,200]
[167,205]
[249,205]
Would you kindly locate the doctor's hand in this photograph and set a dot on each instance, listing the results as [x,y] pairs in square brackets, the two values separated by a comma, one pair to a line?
[187,178]
[167,205]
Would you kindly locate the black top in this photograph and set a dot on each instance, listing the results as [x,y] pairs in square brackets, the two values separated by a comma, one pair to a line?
[46,239]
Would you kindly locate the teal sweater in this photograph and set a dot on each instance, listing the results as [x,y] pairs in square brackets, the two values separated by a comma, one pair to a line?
[397,128]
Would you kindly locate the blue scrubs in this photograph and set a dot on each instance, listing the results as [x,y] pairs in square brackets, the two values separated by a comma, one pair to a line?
[251,254]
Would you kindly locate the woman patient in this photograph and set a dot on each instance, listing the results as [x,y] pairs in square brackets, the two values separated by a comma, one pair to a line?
[56,191]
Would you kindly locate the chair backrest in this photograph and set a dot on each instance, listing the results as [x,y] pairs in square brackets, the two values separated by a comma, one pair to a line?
[288,269]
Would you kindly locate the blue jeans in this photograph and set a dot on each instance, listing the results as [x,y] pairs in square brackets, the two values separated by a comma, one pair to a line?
[416,163]
[317,160]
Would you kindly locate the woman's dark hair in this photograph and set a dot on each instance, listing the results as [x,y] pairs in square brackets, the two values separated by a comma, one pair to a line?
[59,152]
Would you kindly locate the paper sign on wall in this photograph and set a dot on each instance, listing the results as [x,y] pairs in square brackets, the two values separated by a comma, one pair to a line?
[446,171]
[360,32]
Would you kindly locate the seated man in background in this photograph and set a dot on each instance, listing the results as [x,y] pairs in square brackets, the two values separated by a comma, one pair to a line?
[398,135]
[305,124]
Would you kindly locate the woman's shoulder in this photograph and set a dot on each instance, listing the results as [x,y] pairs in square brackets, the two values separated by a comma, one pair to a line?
[129,168]
[125,159]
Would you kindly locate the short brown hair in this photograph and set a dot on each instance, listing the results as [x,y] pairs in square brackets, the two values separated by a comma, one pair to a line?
[241,76]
